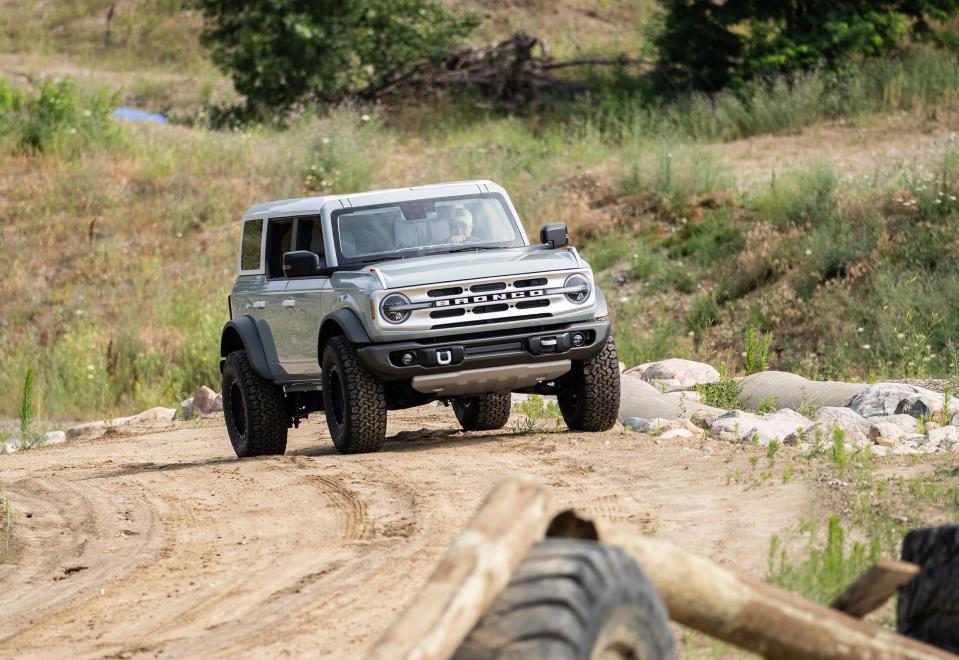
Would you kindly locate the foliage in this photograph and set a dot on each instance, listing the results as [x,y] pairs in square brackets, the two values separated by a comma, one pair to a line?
[280,52]
[706,45]
[722,394]
[26,405]
[757,350]
[540,415]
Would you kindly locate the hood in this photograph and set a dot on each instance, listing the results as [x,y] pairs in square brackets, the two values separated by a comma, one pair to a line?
[440,268]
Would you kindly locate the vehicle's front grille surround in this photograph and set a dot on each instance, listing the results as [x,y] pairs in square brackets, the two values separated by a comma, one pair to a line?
[487,301]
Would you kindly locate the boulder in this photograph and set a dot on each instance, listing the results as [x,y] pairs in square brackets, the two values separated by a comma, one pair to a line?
[823,433]
[677,433]
[907,423]
[678,374]
[204,401]
[53,438]
[884,399]
[11,446]
[640,399]
[158,414]
[945,437]
[704,419]
[839,414]
[185,409]
[886,434]
[90,428]
[793,391]
[738,426]
[638,424]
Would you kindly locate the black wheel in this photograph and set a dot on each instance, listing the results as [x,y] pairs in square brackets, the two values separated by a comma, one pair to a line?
[572,599]
[254,409]
[486,412]
[928,605]
[353,400]
[589,397]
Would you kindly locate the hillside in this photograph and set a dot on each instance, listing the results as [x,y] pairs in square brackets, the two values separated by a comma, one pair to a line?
[827,221]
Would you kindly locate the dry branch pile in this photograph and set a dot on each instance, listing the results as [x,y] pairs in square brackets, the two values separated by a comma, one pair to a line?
[511,73]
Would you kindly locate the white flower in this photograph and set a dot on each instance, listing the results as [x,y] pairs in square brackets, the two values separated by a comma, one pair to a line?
[325,140]
[73,131]
[866,347]
[808,252]
[364,117]
[900,335]
[90,367]
[860,329]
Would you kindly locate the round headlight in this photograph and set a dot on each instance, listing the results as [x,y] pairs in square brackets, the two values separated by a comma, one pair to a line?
[580,288]
[394,315]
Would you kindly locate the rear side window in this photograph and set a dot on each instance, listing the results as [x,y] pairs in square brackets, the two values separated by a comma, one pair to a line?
[250,246]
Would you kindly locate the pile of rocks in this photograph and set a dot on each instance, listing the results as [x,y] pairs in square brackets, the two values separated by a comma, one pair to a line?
[660,398]
[204,402]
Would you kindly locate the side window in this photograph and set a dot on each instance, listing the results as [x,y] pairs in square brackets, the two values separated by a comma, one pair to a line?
[279,241]
[250,244]
[309,236]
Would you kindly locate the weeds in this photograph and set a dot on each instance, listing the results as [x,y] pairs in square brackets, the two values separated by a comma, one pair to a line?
[722,394]
[26,405]
[540,416]
[757,350]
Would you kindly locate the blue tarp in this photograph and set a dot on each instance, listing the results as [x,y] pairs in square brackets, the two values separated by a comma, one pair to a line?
[139,115]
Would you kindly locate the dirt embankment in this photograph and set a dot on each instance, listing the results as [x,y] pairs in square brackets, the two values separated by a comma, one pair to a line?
[163,544]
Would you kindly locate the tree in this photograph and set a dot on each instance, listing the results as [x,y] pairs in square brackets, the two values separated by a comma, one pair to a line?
[280,52]
[707,45]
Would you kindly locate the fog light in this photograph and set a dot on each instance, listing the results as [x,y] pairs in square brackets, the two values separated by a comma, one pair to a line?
[578,339]
[408,359]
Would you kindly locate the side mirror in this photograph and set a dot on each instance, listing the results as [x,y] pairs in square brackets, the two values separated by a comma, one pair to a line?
[301,263]
[554,235]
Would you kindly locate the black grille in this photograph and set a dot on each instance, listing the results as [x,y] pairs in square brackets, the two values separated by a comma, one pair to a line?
[525,284]
[492,286]
[448,291]
[462,324]
[531,304]
[446,313]
[490,309]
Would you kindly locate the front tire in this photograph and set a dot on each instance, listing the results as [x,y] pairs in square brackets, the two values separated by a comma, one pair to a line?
[353,399]
[589,398]
[571,600]
[486,412]
[254,409]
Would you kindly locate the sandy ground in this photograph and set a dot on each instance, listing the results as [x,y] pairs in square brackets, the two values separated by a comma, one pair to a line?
[161,543]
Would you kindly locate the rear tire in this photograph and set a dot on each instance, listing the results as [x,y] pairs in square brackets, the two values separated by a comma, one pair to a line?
[353,399]
[254,409]
[486,412]
[589,397]
[928,605]
[571,599]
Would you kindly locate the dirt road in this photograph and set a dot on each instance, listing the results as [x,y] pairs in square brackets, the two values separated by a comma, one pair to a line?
[162,544]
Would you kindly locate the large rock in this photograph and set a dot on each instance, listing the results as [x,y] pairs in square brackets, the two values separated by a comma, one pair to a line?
[678,374]
[907,423]
[205,401]
[886,434]
[90,428]
[883,399]
[158,414]
[738,426]
[53,438]
[839,414]
[792,391]
[946,437]
[824,433]
[640,399]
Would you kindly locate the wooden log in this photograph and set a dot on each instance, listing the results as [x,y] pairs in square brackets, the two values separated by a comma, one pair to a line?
[754,615]
[471,575]
[874,587]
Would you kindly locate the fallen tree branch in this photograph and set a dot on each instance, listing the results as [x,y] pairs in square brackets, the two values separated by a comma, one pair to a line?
[874,587]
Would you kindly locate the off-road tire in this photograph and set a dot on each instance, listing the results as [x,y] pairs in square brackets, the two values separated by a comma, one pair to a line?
[573,599]
[353,400]
[486,412]
[928,605]
[254,409]
[589,395]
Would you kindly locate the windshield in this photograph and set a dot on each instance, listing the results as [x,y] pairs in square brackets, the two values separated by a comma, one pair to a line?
[424,226]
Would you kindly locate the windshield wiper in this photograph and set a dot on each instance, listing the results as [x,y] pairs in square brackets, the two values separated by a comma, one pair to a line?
[464,249]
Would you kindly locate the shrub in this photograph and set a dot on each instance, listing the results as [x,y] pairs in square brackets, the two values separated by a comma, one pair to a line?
[280,52]
[757,350]
[58,117]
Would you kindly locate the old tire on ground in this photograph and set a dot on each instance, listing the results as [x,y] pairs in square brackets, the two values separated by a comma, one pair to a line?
[589,395]
[573,599]
[353,399]
[485,412]
[928,605]
[254,409]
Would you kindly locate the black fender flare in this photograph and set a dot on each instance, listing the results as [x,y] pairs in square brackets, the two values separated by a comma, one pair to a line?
[602,309]
[346,322]
[244,329]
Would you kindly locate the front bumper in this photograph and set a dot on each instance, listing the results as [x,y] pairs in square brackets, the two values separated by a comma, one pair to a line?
[485,350]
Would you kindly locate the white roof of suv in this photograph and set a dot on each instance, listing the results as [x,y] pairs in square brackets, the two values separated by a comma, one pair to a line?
[314,205]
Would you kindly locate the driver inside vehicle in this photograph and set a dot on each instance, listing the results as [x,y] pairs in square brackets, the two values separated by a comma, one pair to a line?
[461,225]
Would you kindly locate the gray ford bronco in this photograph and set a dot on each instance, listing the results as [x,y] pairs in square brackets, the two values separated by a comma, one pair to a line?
[359,304]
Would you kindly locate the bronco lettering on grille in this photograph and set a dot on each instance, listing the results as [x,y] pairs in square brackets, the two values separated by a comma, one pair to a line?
[490,297]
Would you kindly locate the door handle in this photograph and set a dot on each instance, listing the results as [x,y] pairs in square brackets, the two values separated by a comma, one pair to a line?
[259,304]
[289,302]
